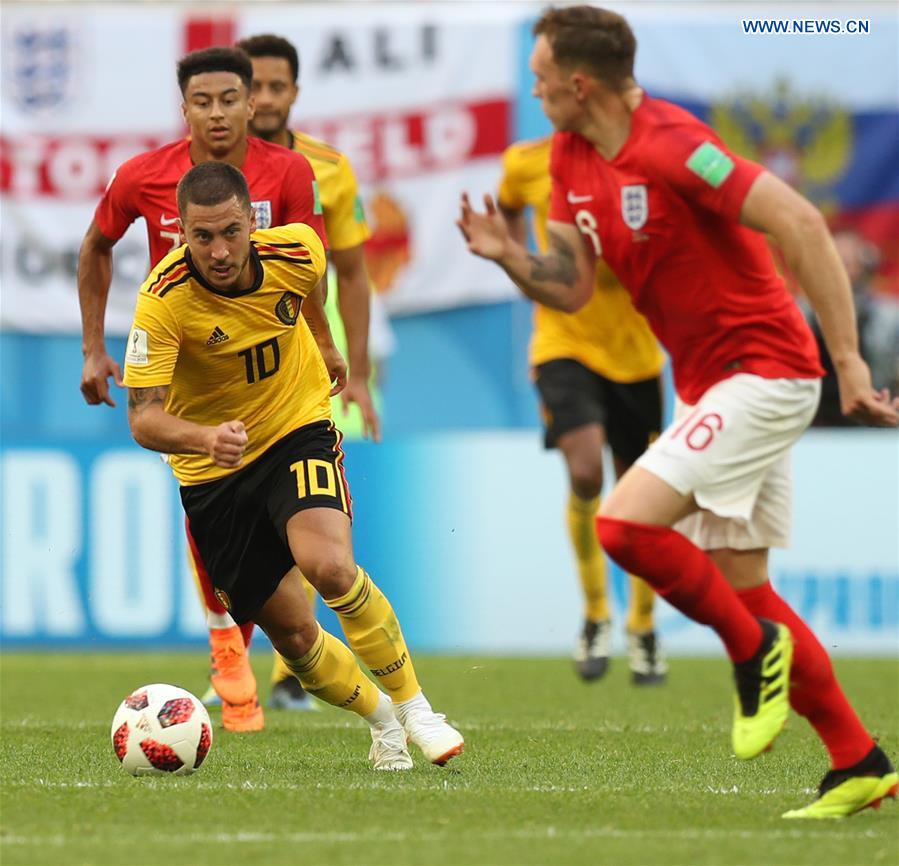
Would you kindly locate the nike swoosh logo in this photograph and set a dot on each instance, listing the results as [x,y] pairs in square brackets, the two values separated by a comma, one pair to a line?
[576,199]
[168,222]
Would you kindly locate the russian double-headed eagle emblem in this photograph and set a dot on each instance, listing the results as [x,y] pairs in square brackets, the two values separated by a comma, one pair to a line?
[806,141]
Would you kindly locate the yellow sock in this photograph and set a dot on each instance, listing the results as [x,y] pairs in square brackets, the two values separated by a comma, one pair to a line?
[374,633]
[639,616]
[330,672]
[280,670]
[591,563]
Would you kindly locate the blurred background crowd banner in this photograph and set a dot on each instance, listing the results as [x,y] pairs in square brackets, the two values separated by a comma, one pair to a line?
[460,505]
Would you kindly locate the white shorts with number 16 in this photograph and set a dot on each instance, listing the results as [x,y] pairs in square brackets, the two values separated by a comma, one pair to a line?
[731,451]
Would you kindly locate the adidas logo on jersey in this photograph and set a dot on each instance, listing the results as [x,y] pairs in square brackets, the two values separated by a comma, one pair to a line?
[217,336]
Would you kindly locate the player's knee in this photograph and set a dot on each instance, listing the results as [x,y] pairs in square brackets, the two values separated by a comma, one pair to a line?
[332,572]
[744,570]
[586,476]
[294,643]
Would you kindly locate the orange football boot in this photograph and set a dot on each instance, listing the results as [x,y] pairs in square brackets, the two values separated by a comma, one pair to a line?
[232,677]
[243,718]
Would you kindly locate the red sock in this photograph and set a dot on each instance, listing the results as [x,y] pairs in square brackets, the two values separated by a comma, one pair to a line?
[685,577]
[205,581]
[814,690]
[247,631]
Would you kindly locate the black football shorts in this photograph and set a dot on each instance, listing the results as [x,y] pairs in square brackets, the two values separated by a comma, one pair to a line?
[573,396]
[239,522]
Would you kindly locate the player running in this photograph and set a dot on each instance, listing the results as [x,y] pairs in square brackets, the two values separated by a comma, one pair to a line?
[597,373]
[217,106]
[225,376]
[216,86]
[276,68]
[682,222]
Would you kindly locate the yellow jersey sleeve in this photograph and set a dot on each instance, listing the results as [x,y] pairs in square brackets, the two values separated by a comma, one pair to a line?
[295,252]
[339,192]
[511,188]
[155,337]
[525,182]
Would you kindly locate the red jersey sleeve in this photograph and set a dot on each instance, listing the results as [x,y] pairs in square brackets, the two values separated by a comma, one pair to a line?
[559,209]
[118,209]
[697,164]
[301,201]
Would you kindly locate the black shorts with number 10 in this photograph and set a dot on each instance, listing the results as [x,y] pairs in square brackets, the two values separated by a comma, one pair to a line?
[572,396]
[239,522]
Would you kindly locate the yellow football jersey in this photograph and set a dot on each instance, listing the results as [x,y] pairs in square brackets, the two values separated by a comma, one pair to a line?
[248,356]
[346,227]
[338,192]
[607,335]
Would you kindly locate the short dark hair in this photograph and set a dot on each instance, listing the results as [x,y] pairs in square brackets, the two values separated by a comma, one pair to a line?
[269,45]
[217,59]
[596,39]
[212,183]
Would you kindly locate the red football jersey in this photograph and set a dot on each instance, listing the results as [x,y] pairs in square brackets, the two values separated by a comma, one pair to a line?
[664,214]
[281,182]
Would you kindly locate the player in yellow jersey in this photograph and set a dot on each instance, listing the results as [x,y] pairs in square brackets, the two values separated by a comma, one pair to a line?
[276,68]
[597,373]
[226,374]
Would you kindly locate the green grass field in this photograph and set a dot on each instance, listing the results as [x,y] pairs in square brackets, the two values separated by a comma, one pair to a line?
[554,772]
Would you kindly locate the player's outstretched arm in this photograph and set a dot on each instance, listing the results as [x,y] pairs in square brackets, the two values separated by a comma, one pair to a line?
[94,278]
[354,302]
[153,428]
[801,232]
[562,279]
[516,220]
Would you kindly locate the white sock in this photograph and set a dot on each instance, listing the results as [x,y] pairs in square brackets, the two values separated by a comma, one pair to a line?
[417,703]
[383,714]
[219,620]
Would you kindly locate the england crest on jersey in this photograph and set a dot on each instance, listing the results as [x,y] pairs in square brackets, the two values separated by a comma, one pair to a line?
[263,211]
[634,205]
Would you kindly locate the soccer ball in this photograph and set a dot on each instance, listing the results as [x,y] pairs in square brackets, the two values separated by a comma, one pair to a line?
[161,729]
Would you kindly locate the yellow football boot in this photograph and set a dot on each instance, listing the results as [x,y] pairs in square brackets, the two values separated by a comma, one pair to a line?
[844,792]
[762,702]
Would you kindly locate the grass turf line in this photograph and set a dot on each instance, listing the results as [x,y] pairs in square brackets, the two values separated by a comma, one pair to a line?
[554,772]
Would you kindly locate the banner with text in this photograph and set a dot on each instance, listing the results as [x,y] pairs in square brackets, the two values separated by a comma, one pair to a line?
[465,533]
[418,97]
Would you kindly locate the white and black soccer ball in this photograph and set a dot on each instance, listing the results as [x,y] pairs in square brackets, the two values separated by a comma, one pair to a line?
[161,729]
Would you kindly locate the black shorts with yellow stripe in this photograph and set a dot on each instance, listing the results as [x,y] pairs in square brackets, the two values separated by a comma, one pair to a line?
[239,522]
[573,396]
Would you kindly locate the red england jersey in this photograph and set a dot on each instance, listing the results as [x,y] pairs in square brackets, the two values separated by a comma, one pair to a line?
[281,182]
[664,215]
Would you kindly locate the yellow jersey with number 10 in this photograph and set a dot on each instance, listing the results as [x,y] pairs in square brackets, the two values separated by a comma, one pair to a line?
[246,356]
[607,335]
